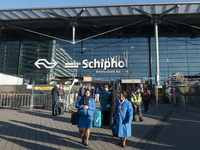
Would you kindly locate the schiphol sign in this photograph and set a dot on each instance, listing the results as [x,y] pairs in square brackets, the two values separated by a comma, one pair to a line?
[105,64]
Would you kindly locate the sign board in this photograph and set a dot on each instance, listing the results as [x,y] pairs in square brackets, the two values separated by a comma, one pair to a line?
[87,78]
[43,62]
[66,88]
[131,80]
[47,88]
[29,86]
[157,78]
[44,88]
[119,61]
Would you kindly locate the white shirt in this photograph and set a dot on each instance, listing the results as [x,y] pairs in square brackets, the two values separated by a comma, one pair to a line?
[169,91]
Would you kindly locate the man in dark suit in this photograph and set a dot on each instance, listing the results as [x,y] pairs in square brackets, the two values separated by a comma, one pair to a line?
[112,101]
[55,99]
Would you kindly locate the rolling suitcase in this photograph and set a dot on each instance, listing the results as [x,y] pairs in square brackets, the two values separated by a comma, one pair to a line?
[64,107]
[98,118]
[60,110]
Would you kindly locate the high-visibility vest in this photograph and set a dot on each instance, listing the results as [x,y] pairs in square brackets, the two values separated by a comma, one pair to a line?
[134,98]
[166,91]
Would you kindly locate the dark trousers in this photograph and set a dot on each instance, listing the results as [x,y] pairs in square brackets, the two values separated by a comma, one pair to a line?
[137,108]
[111,118]
[105,117]
[146,106]
[55,104]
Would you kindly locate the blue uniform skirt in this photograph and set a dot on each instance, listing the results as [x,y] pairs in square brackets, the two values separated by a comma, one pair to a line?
[84,122]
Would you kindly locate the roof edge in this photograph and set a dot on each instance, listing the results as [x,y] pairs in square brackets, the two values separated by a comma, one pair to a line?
[139,4]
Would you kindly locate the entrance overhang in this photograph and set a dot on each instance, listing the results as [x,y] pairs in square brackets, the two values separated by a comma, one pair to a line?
[93,20]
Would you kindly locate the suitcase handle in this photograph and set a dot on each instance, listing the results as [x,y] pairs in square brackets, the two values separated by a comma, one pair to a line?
[97,119]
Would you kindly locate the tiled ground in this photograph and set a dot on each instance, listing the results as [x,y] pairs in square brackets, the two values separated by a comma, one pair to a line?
[37,129]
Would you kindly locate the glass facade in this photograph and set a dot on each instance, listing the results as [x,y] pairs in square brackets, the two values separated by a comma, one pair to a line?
[175,54]
[9,57]
[135,50]
[30,52]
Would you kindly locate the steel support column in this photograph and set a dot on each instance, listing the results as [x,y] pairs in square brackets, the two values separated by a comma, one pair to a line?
[150,62]
[157,49]
[157,57]
[73,33]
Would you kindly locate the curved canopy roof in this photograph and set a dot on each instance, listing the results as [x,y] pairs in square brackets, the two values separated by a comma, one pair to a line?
[99,11]
[91,20]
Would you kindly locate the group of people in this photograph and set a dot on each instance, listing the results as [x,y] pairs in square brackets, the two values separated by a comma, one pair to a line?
[107,99]
[169,91]
[137,98]
[119,111]
[94,93]
[122,111]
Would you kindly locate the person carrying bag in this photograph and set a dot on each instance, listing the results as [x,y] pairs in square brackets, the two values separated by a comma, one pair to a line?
[86,106]
[74,118]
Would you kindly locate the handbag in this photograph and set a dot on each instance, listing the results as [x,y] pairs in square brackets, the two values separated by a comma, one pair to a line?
[113,129]
[74,118]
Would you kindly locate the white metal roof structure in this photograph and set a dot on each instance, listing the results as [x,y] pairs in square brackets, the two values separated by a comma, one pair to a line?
[99,11]
[56,23]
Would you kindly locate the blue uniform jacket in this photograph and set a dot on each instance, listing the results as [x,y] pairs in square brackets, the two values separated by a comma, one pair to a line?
[104,102]
[85,112]
[122,128]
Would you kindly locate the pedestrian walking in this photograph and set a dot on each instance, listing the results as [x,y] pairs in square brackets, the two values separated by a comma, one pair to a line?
[86,106]
[146,99]
[173,95]
[169,94]
[105,95]
[112,102]
[93,92]
[81,91]
[123,117]
[136,100]
[62,93]
[60,105]
[97,92]
[55,99]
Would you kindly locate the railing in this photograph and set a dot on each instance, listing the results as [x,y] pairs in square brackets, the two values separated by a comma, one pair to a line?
[71,99]
[15,100]
[42,101]
[33,101]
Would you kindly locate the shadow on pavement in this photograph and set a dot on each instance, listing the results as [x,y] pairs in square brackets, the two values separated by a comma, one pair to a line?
[34,133]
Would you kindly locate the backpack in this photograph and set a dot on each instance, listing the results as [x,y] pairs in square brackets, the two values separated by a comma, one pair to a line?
[172,91]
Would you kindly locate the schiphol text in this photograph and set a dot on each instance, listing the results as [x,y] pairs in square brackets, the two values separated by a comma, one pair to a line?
[104,64]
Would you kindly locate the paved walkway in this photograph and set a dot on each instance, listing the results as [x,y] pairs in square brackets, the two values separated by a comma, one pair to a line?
[169,127]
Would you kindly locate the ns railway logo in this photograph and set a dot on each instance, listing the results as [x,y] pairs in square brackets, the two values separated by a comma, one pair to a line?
[43,62]
[113,62]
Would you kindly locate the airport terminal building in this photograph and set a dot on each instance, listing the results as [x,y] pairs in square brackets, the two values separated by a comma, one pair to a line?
[106,43]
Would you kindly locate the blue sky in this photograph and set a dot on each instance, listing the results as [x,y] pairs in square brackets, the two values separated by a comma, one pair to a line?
[12,4]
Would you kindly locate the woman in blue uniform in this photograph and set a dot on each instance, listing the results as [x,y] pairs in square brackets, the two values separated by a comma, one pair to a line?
[85,107]
[123,116]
